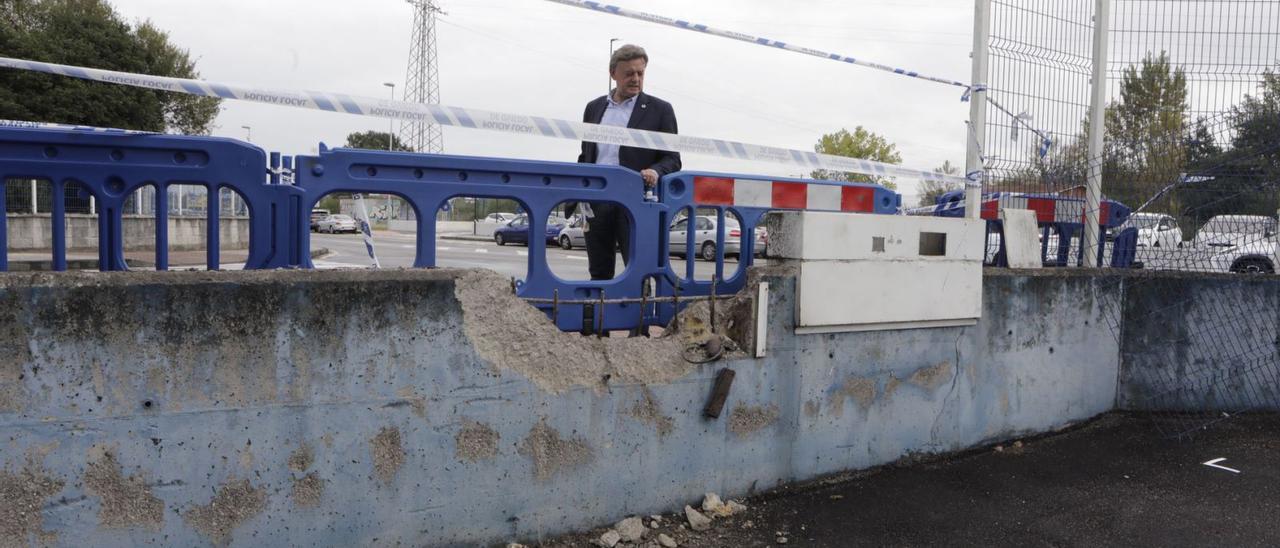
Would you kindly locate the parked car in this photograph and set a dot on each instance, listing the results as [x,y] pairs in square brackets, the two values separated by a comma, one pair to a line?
[316,216]
[1155,230]
[704,239]
[337,223]
[571,235]
[1244,244]
[516,231]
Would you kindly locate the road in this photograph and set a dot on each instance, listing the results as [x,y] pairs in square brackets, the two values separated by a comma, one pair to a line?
[397,250]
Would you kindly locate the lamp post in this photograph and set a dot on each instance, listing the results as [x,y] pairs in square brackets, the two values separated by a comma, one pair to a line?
[390,123]
[609,86]
[248,133]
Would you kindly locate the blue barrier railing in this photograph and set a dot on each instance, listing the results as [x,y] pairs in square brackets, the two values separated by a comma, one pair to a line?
[111,166]
[1060,218]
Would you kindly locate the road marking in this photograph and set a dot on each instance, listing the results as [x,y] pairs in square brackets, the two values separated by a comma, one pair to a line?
[444,249]
[522,253]
[406,246]
[1214,463]
[481,250]
[578,257]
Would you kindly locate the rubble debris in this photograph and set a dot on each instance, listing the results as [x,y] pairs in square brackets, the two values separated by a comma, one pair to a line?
[666,541]
[697,521]
[610,539]
[630,529]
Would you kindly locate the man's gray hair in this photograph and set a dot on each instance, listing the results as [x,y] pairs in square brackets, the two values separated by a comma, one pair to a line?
[629,52]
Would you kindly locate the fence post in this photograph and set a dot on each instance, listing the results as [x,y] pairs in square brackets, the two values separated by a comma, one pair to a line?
[973,168]
[1097,123]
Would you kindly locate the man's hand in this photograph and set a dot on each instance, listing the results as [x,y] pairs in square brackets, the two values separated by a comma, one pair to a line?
[650,177]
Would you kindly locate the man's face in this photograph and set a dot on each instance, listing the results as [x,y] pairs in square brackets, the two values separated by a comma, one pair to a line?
[629,76]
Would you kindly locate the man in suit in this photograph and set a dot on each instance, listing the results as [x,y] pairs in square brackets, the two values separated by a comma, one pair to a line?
[626,106]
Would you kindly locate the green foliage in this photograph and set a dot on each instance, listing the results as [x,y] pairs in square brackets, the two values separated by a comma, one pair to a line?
[1146,129]
[375,140]
[859,144]
[931,190]
[90,33]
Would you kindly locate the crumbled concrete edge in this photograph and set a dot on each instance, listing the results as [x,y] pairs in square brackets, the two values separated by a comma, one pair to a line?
[125,502]
[475,441]
[511,335]
[747,419]
[552,454]
[236,502]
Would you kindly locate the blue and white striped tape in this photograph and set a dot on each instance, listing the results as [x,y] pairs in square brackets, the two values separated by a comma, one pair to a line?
[47,125]
[492,121]
[686,25]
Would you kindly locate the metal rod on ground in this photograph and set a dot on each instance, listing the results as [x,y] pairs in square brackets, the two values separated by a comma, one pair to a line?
[1097,112]
[644,302]
[675,300]
[555,306]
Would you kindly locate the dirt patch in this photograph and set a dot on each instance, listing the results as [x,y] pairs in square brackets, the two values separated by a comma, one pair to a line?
[647,411]
[126,502]
[862,390]
[22,499]
[308,490]
[746,419]
[891,386]
[476,441]
[930,378]
[551,454]
[301,458]
[233,504]
[388,453]
[512,335]
[812,408]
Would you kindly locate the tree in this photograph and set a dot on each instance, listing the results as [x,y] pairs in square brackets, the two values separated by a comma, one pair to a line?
[930,191]
[859,144]
[90,33]
[1145,144]
[375,140]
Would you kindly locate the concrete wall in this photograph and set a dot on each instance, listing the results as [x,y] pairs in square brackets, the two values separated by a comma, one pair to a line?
[425,407]
[34,232]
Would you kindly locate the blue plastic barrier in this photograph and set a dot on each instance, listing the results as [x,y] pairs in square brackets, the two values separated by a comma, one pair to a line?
[110,167]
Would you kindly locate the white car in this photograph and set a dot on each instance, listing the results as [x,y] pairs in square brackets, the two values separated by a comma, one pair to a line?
[337,223]
[1244,244]
[1155,230]
[704,238]
[499,218]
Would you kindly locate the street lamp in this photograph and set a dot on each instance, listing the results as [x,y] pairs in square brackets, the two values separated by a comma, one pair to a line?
[390,123]
[609,85]
[248,133]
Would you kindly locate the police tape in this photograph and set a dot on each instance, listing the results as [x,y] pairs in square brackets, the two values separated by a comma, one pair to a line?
[686,25]
[490,120]
[47,125]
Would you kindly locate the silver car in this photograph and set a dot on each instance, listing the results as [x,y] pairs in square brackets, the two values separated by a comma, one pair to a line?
[704,237]
[571,235]
[337,223]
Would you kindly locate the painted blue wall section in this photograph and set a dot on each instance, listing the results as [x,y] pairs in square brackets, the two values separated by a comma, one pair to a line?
[197,383]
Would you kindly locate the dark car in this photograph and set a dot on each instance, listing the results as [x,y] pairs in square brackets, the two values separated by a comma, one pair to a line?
[516,231]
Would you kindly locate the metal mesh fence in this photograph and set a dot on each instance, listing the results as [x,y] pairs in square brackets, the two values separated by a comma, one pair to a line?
[1191,144]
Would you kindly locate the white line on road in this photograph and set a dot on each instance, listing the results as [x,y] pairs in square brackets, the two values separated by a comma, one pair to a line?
[1214,463]
[522,253]
[481,250]
[577,257]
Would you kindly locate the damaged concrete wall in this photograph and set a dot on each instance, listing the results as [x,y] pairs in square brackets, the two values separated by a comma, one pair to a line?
[433,408]
[1201,343]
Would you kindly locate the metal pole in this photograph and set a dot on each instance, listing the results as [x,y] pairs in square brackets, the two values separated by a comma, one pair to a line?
[1097,128]
[34,201]
[973,167]
[390,122]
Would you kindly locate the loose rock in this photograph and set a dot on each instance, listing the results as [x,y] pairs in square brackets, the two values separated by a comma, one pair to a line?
[782,540]
[653,524]
[735,507]
[666,541]
[515,545]
[630,529]
[610,538]
[697,521]
[711,502]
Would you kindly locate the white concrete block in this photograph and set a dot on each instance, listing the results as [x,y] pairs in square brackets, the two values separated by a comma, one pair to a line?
[1021,238]
[873,272]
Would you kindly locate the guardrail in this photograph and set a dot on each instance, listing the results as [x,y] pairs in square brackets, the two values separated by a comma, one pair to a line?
[110,166]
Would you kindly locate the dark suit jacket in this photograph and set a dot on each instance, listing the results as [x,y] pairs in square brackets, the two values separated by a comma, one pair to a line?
[650,113]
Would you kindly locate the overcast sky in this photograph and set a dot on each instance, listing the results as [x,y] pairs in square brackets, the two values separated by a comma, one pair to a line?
[540,58]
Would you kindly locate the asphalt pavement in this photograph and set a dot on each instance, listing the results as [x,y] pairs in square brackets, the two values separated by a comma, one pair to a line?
[397,249]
